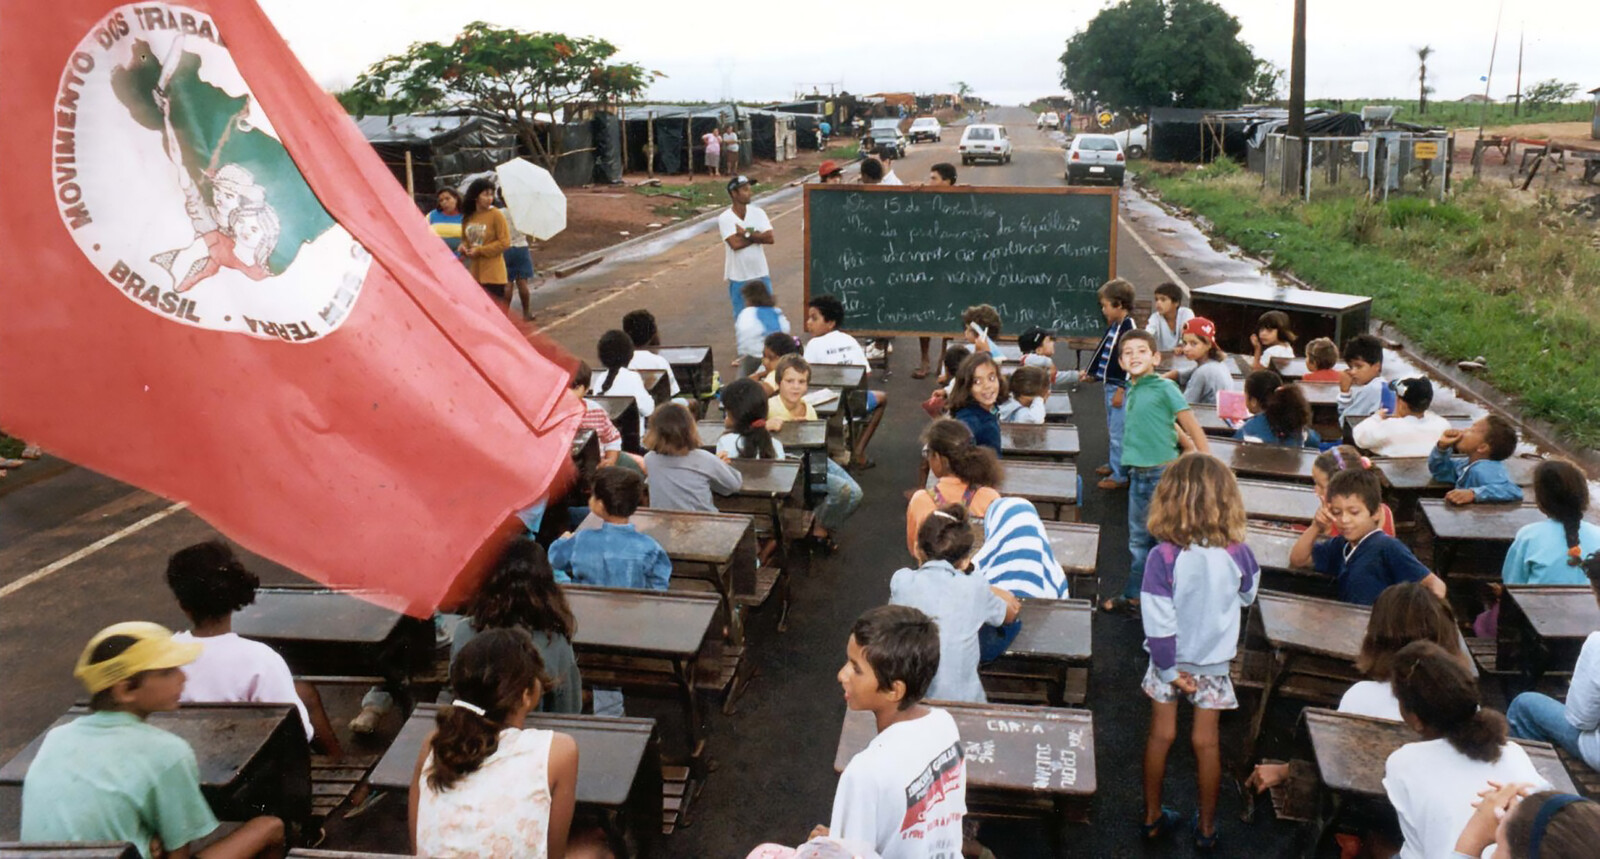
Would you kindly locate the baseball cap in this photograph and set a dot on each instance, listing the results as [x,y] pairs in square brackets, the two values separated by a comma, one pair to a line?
[829,168]
[1033,338]
[1200,326]
[1417,392]
[153,649]
[736,181]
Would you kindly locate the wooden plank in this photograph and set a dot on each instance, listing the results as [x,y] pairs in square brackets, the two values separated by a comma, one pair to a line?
[795,436]
[1048,441]
[701,538]
[1076,545]
[646,623]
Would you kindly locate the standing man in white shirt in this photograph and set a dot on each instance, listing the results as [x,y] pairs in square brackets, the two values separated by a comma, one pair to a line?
[745,228]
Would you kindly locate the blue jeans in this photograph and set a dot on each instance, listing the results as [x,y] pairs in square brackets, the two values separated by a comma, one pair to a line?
[1114,418]
[1534,716]
[844,496]
[993,641]
[738,300]
[1141,488]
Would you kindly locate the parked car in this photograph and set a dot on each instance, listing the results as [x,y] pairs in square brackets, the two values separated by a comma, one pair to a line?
[885,142]
[985,141]
[1095,158]
[1134,141]
[926,128]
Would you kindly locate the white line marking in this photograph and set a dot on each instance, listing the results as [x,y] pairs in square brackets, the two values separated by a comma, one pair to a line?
[1160,263]
[90,549]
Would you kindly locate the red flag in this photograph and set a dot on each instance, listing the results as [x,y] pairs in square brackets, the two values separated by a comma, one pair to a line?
[215,290]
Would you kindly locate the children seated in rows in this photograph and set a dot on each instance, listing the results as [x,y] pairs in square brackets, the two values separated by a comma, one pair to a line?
[760,318]
[1280,414]
[1411,431]
[1272,345]
[744,405]
[1116,305]
[975,396]
[1038,348]
[1361,381]
[682,475]
[1362,559]
[831,345]
[844,493]
[964,474]
[1209,375]
[521,592]
[1030,390]
[959,601]
[1016,557]
[619,380]
[613,554]
[1342,458]
[1473,461]
[110,776]
[1168,315]
[595,418]
[1322,361]
[1575,725]
[640,326]
[905,794]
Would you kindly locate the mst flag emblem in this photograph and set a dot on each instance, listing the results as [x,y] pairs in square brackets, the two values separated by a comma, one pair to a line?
[174,184]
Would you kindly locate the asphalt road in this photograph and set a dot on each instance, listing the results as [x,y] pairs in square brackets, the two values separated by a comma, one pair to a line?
[775,777]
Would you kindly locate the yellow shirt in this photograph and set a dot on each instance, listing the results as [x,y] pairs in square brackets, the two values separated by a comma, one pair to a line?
[776,410]
[489,265]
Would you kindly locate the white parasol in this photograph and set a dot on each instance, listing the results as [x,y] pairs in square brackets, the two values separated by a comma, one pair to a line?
[533,200]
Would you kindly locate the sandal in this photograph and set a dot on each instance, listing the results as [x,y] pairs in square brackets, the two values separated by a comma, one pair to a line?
[862,464]
[1120,605]
[1202,842]
[921,372]
[1163,826]
[825,543]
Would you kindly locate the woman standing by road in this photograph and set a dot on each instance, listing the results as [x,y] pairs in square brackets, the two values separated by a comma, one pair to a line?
[713,144]
[485,236]
[446,220]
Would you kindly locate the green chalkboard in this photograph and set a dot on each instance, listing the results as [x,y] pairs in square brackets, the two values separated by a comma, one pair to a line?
[910,260]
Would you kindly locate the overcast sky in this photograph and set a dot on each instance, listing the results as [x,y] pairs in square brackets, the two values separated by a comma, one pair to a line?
[1356,48]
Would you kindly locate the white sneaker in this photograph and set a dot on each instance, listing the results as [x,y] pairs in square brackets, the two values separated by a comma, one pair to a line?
[875,352]
[367,721]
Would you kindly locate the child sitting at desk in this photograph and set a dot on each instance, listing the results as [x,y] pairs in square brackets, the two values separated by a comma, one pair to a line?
[1362,559]
[1273,343]
[616,350]
[977,391]
[110,776]
[1038,347]
[905,794]
[1411,431]
[594,417]
[949,364]
[1432,782]
[640,326]
[986,318]
[1209,375]
[1523,824]
[1575,725]
[613,555]
[1342,458]
[484,784]
[829,344]
[1322,357]
[789,404]
[777,345]
[1487,444]
[1195,581]
[760,318]
[1280,414]
[747,436]
[682,476]
[1552,552]
[964,472]
[959,601]
[521,593]
[211,584]
[1361,381]
[1168,315]
[1029,388]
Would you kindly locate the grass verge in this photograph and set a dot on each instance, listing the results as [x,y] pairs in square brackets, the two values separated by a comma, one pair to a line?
[686,201]
[1515,279]
[1458,114]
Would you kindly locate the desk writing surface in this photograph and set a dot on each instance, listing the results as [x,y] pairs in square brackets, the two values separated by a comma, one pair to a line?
[1076,545]
[1314,625]
[1351,751]
[1058,406]
[624,620]
[610,751]
[1210,424]
[1558,611]
[1271,546]
[1264,460]
[1286,297]
[1038,440]
[684,356]
[1048,482]
[226,738]
[1279,502]
[614,407]
[795,435]
[1496,522]
[80,850]
[702,538]
[1410,473]
[651,378]
[1038,750]
[314,615]
[1054,629]
[1320,393]
[838,375]
[766,477]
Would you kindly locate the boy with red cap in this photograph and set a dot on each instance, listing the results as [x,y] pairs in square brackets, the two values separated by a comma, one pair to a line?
[1209,374]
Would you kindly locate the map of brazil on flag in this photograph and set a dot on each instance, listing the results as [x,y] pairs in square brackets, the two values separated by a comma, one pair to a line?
[236,305]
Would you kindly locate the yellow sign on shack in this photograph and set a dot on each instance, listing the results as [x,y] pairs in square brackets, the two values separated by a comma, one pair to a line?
[1425,149]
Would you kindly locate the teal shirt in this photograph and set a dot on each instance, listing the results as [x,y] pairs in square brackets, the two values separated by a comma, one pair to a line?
[1151,406]
[108,776]
[1539,554]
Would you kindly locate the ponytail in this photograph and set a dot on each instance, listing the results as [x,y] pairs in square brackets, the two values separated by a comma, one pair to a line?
[946,535]
[616,352]
[746,403]
[1563,495]
[491,678]
[974,465]
[1438,690]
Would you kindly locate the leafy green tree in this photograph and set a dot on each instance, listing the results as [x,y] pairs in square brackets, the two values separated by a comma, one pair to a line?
[1265,83]
[1548,92]
[1140,54]
[507,73]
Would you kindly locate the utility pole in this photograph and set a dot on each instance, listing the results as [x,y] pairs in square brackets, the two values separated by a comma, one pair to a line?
[1297,92]
[1516,109]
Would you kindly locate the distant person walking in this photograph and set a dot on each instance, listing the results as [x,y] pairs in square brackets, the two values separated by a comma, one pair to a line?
[824,131]
[730,146]
[713,144]
[745,228]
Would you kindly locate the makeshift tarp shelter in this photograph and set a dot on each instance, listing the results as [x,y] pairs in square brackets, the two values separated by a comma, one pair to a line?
[772,135]
[1181,134]
[676,132]
[443,148]
[605,132]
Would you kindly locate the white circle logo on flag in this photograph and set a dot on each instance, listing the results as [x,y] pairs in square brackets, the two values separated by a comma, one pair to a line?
[174,184]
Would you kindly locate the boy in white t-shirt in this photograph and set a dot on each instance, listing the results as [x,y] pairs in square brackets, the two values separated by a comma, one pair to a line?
[1411,431]
[745,228]
[829,345]
[906,792]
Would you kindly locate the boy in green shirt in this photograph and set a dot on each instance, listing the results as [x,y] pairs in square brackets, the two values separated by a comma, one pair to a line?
[109,776]
[1157,418]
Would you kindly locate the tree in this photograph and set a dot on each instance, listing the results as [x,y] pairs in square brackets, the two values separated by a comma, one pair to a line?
[523,78]
[1265,83]
[1423,53]
[1140,54]
[1548,92]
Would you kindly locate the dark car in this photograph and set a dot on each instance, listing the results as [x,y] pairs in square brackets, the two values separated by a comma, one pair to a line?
[886,143]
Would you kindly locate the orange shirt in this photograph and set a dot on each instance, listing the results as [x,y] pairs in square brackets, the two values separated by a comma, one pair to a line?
[951,490]
[1321,376]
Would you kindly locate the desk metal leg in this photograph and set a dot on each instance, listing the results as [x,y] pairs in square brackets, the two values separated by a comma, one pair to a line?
[1276,667]
[730,603]
[686,670]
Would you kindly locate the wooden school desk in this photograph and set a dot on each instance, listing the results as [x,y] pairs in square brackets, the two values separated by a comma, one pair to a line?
[691,365]
[1409,474]
[845,376]
[1273,501]
[796,435]
[1043,483]
[1292,370]
[1058,442]
[63,850]
[769,485]
[1266,461]
[1048,662]
[1485,530]
[624,415]
[1543,627]
[714,547]
[655,382]
[1058,408]
[1236,307]
[619,769]
[1030,761]
[1210,424]
[1271,546]
[252,757]
[1076,546]
[330,636]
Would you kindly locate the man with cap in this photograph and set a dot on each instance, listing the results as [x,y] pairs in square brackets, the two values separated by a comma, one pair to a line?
[1411,431]
[109,776]
[745,228]
[831,172]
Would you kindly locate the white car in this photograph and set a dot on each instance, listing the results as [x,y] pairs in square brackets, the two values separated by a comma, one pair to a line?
[1134,141]
[1095,158]
[925,128]
[1050,119]
[985,141]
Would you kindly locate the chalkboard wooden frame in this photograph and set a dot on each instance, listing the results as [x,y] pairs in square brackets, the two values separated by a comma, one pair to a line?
[1113,192]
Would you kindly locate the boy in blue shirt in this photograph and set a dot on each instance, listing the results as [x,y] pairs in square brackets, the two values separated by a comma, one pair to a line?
[1116,305]
[1361,382]
[612,555]
[1483,476]
[1363,560]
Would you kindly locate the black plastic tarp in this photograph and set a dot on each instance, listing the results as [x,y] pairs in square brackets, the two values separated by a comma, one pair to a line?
[1182,134]
[763,136]
[805,131]
[606,132]
[575,166]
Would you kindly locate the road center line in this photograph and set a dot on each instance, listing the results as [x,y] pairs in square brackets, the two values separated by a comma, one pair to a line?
[90,549]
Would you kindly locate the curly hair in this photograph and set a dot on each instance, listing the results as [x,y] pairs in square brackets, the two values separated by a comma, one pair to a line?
[521,591]
[1197,502]
[209,581]
[1402,614]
